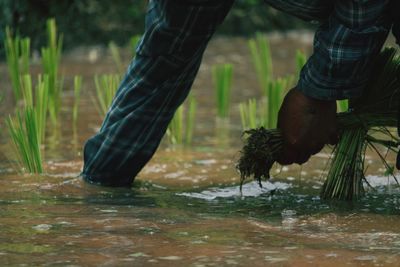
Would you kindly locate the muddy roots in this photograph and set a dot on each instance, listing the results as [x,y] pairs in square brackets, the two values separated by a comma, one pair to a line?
[260,151]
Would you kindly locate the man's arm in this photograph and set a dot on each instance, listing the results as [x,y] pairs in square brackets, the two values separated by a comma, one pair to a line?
[345,46]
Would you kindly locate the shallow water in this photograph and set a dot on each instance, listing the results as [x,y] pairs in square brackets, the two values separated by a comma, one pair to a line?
[186,208]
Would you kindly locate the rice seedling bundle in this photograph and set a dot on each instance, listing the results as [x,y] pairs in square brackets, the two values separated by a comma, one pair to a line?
[366,124]
[51,57]
[106,88]
[222,78]
[18,60]
[180,129]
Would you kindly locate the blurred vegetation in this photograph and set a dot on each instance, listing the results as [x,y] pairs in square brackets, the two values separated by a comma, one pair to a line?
[87,22]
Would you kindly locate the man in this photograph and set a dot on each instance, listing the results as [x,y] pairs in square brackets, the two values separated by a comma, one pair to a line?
[158,80]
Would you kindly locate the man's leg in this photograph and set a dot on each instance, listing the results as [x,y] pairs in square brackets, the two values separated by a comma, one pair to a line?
[157,82]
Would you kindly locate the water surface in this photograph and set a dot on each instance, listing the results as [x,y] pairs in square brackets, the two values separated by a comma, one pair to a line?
[185,208]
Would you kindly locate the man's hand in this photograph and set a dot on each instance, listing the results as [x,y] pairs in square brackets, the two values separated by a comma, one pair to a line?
[307,124]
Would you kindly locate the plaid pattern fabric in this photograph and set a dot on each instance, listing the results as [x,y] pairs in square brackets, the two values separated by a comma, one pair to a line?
[169,55]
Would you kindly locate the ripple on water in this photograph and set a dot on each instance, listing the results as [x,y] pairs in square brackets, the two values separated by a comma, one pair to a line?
[251,189]
[42,227]
[171,258]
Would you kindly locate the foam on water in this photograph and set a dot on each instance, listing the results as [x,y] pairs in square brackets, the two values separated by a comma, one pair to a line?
[376,181]
[251,189]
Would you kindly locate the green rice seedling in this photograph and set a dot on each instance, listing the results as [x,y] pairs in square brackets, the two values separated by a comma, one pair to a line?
[377,109]
[12,50]
[134,41]
[342,105]
[116,56]
[175,131]
[275,94]
[39,103]
[191,116]
[18,60]
[24,133]
[348,161]
[272,90]
[180,129]
[222,78]
[27,90]
[371,114]
[77,97]
[249,115]
[261,57]
[25,55]
[106,88]
[51,57]
[265,113]
[301,60]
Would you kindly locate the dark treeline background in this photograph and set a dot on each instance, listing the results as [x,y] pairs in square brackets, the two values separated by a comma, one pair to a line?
[88,22]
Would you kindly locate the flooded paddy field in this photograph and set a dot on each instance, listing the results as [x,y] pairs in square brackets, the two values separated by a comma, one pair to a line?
[185,208]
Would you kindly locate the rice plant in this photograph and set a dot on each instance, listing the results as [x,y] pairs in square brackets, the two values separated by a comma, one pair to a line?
[116,56]
[191,115]
[133,42]
[106,88]
[301,60]
[18,60]
[371,114]
[261,57]
[27,90]
[77,97]
[37,100]
[342,105]
[377,109]
[348,161]
[275,94]
[41,105]
[272,90]
[24,133]
[250,115]
[180,129]
[51,57]
[222,78]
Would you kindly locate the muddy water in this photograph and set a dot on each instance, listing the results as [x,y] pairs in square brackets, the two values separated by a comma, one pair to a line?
[185,208]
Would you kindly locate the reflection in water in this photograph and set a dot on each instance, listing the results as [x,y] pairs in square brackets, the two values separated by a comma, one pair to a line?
[69,222]
[185,208]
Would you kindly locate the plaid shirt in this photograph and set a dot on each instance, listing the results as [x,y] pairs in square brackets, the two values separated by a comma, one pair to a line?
[169,55]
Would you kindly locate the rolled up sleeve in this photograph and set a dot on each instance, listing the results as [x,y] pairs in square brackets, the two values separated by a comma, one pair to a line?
[344,48]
